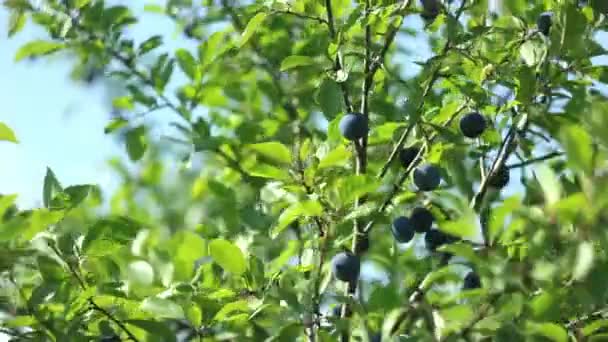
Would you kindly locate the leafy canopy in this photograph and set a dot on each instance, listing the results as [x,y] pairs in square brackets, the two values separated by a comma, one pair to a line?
[226,228]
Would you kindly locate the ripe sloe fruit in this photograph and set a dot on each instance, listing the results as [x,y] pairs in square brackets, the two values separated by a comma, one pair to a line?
[435,238]
[407,155]
[377,337]
[353,126]
[402,229]
[427,177]
[544,22]
[471,281]
[430,9]
[421,219]
[346,266]
[472,125]
[500,179]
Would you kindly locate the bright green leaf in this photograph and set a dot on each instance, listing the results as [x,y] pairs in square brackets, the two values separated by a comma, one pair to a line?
[51,187]
[304,208]
[7,134]
[228,256]
[252,26]
[162,308]
[296,61]
[273,150]
[37,48]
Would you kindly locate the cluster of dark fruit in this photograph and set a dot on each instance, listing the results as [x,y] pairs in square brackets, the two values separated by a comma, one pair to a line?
[346,266]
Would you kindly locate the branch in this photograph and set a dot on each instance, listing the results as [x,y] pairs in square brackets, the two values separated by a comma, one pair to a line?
[361,149]
[111,317]
[408,130]
[238,24]
[536,160]
[434,76]
[505,150]
[301,15]
[338,63]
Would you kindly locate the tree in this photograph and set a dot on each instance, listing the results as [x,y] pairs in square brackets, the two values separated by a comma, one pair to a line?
[312,166]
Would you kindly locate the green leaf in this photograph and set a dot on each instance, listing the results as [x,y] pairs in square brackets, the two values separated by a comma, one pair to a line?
[578,145]
[114,125]
[252,26]
[339,156]
[228,256]
[267,171]
[50,187]
[106,234]
[154,329]
[77,193]
[140,273]
[296,61]
[162,308]
[123,102]
[352,187]
[533,52]
[20,321]
[187,63]
[549,183]
[154,8]
[551,331]
[584,261]
[226,310]
[594,326]
[186,247]
[149,44]
[305,208]
[136,143]
[7,134]
[194,314]
[329,98]
[16,22]
[37,48]
[273,150]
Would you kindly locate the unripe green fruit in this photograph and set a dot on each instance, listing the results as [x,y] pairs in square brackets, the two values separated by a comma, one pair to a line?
[346,266]
[353,126]
[402,229]
[472,125]
[427,177]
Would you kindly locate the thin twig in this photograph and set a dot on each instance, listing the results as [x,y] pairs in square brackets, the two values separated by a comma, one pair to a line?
[535,160]
[339,62]
[434,76]
[111,317]
[361,153]
[300,15]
